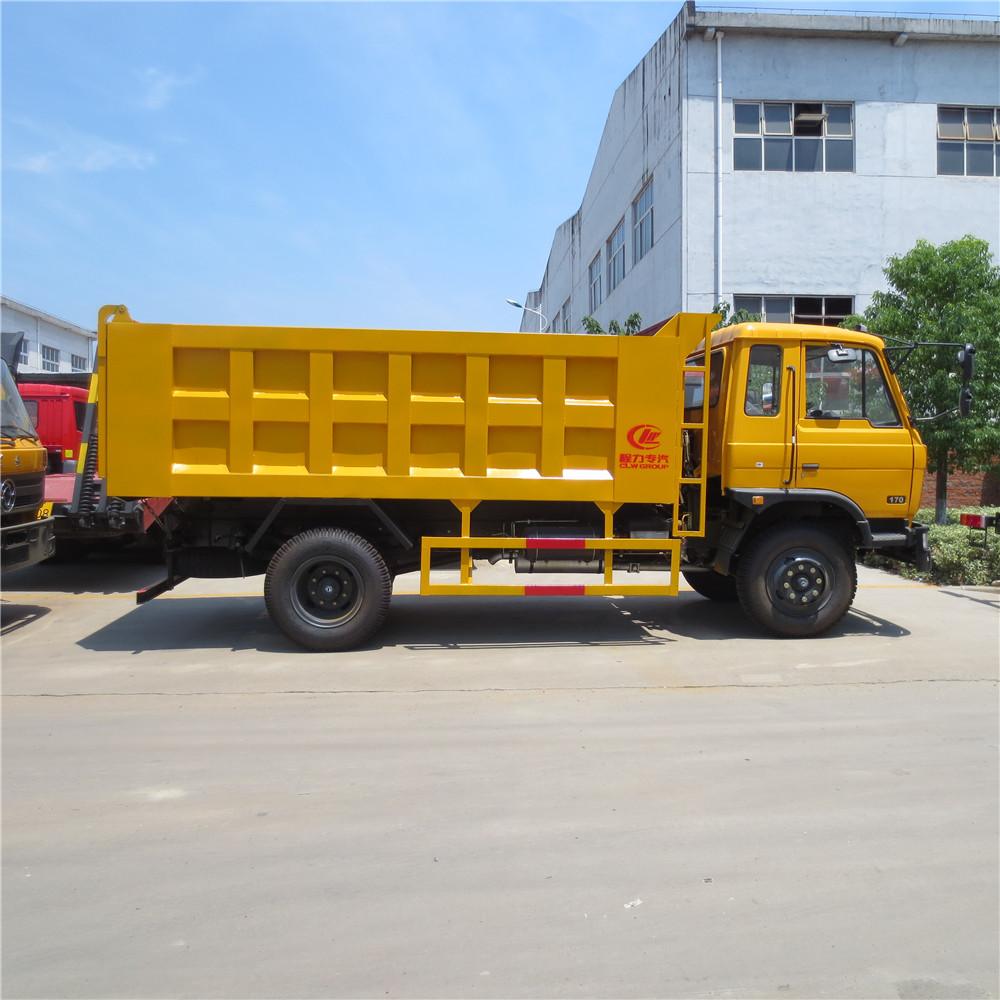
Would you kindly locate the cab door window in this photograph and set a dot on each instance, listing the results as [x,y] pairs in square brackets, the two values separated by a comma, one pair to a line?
[763,395]
[847,384]
[694,382]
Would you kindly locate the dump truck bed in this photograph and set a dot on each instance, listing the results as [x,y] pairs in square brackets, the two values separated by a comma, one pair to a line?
[226,411]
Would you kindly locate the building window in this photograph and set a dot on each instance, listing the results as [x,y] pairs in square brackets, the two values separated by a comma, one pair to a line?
[565,316]
[78,362]
[642,223]
[50,358]
[594,274]
[807,137]
[616,257]
[968,141]
[22,358]
[824,310]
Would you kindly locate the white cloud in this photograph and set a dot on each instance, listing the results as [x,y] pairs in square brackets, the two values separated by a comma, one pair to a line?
[82,153]
[160,87]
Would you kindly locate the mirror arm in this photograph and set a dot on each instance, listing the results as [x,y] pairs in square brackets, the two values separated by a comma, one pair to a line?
[937,416]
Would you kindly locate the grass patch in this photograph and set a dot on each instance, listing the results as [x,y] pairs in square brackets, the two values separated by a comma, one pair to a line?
[962,556]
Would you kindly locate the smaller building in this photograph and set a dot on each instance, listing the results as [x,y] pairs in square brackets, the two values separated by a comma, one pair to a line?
[50,344]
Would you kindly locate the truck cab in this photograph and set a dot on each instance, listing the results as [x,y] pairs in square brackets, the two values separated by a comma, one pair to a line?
[25,538]
[57,413]
[808,425]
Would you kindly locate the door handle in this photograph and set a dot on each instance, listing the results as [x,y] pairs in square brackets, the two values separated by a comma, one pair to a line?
[810,466]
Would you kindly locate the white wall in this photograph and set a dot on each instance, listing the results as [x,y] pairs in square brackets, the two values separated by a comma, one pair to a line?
[829,233]
[39,330]
[641,139]
[782,233]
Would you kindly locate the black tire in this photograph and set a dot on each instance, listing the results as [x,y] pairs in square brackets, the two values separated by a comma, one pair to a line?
[797,579]
[710,584]
[327,589]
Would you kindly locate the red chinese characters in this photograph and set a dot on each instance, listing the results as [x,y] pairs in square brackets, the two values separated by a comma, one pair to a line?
[643,460]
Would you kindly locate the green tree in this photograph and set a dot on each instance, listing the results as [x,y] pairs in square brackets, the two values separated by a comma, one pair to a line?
[948,293]
[740,316]
[633,324]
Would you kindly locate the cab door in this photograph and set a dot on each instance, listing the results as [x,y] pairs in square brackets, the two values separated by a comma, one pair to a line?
[761,417]
[850,435]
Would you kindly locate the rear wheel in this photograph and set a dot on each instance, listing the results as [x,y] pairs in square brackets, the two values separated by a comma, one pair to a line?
[710,584]
[797,579]
[327,589]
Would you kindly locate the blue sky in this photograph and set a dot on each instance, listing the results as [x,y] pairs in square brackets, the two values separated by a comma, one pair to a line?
[380,164]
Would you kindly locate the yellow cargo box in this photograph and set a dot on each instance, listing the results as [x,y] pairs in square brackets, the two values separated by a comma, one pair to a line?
[229,411]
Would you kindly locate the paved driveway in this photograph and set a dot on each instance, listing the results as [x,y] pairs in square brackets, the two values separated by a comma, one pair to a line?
[600,798]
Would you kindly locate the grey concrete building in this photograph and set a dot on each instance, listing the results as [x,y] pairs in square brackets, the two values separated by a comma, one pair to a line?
[50,344]
[775,160]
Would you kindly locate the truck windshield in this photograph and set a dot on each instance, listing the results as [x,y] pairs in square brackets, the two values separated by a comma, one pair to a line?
[15,419]
[850,390]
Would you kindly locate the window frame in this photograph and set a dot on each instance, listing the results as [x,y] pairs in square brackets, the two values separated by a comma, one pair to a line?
[83,366]
[639,247]
[612,253]
[865,353]
[950,140]
[48,358]
[824,314]
[775,394]
[714,390]
[789,138]
[594,278]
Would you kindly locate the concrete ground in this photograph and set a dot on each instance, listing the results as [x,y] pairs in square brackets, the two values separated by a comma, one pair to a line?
[498,798]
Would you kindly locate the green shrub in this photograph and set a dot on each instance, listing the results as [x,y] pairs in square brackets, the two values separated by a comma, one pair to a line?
[962,556]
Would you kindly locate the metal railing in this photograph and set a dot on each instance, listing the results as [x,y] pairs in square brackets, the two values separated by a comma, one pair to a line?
[888,12]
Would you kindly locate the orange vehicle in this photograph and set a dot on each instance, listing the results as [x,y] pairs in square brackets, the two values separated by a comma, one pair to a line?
[25,538]
[755,461]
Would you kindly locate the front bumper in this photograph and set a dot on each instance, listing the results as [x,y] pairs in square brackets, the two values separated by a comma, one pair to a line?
[25,544]
[911,545]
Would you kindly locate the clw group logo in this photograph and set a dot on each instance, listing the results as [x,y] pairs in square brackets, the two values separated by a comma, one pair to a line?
[644,436]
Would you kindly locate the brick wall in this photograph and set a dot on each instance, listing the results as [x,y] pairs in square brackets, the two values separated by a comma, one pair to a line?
[965,489]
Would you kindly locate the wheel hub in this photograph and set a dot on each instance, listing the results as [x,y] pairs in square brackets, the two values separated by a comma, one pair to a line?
[327,593]
[799,583]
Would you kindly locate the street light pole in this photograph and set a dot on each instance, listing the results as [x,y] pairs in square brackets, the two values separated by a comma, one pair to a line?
[542,320]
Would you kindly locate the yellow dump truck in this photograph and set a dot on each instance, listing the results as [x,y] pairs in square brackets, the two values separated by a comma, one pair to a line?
[332,460]
[25,538]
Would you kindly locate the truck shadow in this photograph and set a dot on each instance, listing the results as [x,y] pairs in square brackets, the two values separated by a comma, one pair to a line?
[420,623]
[115,573]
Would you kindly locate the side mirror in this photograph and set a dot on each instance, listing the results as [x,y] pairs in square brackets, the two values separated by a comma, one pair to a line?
[965,401]
[967,362]
[842,355]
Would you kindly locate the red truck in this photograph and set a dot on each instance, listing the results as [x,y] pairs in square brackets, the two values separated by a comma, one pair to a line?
[57,412]
[85,516]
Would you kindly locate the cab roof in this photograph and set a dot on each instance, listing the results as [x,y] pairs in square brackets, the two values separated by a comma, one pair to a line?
[792,331]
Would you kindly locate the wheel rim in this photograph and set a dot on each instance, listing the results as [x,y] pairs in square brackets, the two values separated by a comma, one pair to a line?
[327,592]
[800,582]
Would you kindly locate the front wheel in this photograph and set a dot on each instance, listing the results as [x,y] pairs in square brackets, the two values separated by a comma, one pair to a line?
[797,579]
[327,589]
